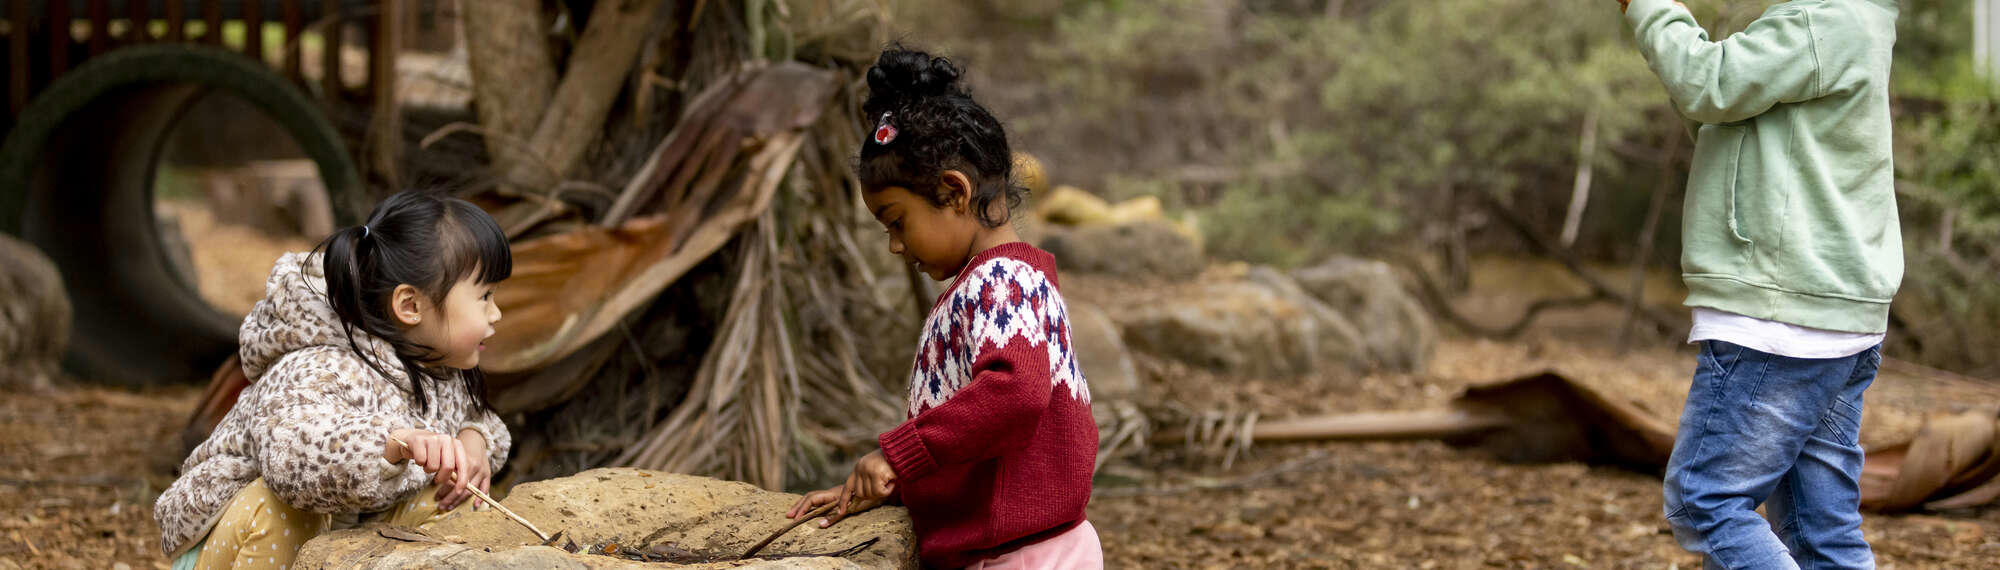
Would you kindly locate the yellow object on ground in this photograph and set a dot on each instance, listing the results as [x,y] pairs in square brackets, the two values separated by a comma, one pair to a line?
[1137,209]
[1072,206]
[1029,171]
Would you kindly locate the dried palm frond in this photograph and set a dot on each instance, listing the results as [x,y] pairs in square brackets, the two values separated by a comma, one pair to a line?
[784,352]
[571,288]
[789,339]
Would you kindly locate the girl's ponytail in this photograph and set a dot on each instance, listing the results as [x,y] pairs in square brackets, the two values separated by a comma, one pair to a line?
[341,263]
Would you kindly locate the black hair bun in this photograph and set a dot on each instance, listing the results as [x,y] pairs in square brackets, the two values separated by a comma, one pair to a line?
[903,73]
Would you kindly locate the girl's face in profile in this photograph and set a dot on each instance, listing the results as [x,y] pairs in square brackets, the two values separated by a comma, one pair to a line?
[458,327]
[937,239]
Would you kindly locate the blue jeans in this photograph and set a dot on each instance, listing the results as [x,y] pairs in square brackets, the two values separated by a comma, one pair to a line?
[1766,429]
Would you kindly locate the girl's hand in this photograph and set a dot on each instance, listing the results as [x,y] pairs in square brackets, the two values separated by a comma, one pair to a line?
[853,506]
[437,453]
[476,472]
[813,500]
[817,499]
[870,484]
[872,478]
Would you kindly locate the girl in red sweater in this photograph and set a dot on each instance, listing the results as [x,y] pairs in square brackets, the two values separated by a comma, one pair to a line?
[995,458]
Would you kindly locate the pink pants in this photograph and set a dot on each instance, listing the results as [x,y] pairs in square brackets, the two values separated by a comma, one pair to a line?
[1076,548]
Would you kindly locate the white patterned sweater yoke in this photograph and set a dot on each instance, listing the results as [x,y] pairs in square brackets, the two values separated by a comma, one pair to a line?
[315,417]
[988,307]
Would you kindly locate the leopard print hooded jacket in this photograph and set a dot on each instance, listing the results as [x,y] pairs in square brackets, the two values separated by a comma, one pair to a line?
[314,419]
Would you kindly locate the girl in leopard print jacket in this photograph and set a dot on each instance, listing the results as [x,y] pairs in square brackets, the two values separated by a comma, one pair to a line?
[363,359]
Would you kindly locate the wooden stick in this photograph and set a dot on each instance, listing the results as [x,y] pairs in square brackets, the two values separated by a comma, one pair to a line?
[1369,426]
[100,26]
[211,22]
[815,513]
[483,497]
[176,20]
[17,59]
[253,30]
[331,85]
[136,14]
[58,31]
[1245,482]
[294,42]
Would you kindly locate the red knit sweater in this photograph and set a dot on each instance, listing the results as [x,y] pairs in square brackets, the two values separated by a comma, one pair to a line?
[999,447]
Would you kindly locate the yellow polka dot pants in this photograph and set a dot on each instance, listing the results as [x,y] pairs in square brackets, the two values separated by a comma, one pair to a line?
[259,531]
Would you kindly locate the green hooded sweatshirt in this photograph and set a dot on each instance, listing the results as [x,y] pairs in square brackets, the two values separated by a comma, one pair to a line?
[1791,207]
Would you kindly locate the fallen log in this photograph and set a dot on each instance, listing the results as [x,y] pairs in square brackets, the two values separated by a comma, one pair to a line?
[1544,417]
[1953,461]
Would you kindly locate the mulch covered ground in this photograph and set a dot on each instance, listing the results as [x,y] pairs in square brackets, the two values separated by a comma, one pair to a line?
[79,469]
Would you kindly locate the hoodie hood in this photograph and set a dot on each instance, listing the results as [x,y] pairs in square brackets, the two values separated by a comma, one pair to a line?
[295,315]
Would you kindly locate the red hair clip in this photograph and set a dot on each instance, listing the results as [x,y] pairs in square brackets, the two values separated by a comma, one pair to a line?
[884,132]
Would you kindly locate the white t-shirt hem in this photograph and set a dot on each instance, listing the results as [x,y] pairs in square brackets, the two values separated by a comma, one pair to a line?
[1783,339]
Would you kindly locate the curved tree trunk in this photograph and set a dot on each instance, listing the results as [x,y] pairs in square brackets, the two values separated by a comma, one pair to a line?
[597,70]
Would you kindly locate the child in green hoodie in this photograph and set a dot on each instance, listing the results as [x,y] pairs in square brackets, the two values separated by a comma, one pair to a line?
[1791,255]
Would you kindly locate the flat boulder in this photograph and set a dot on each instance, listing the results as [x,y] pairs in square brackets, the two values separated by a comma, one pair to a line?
[1259,325]
[1100,349]
[1401,335]
[703,522]
[1137,249]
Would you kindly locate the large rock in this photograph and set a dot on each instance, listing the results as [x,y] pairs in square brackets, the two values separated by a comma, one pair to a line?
[1139,249]
[634,508]
[34,316]
[1262,325]
[1401,335]
[1107,364]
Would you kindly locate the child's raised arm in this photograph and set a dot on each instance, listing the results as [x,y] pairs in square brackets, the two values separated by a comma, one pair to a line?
[1774,60]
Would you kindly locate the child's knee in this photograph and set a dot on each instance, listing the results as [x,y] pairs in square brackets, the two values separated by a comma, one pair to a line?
[1686,533]
[418,510]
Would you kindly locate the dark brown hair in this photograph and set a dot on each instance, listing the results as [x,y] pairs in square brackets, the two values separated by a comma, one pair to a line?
[428,240]
[939,127]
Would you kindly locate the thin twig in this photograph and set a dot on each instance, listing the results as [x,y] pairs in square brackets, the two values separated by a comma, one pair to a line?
[815,513]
